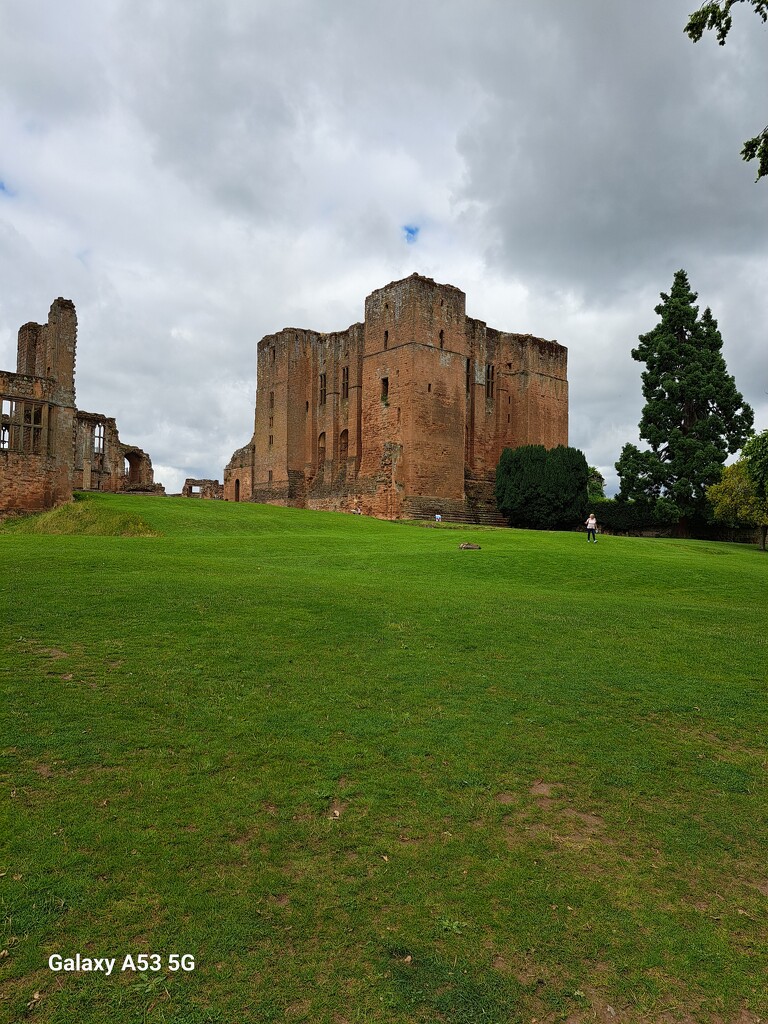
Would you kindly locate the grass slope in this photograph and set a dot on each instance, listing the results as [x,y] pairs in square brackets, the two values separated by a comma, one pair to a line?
[363,776]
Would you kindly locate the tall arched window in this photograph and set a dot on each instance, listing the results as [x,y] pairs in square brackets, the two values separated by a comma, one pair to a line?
[321,451]
[343,445]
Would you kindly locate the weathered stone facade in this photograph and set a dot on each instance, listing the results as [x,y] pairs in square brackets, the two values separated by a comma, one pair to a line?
[104,463]
[47,447]
[206,489]
[404,414]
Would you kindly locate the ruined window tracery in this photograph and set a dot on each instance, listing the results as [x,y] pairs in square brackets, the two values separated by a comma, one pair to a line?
[345,382]
[323,388]
[22,425]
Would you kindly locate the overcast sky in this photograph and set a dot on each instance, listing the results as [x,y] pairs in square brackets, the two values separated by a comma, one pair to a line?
[195,174]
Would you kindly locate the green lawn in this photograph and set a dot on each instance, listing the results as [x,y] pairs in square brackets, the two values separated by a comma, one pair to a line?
[363,776]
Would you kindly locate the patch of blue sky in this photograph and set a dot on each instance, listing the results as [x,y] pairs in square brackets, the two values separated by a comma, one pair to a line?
[411,233]
[5,190]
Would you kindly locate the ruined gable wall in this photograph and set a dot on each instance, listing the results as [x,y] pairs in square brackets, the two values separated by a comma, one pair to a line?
[38,414]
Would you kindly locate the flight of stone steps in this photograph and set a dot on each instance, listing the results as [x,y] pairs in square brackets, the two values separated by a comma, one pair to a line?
[477,511]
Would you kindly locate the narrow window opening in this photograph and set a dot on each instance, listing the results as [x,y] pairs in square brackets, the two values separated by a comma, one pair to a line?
[271,399]
[384,389]
[271,440]
[442,339]
[344,445]
[345,382]
[386,340]
[429,387]
[321,450]
[469,375]
[323,388]
[489,374]
[270,476]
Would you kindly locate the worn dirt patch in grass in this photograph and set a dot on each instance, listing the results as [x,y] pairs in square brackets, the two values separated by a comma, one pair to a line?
[337,808]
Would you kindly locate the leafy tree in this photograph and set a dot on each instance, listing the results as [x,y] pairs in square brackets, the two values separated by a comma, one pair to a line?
[595,484]
[716,14]
[755,454]
[541,488]
[735,500]
[693,416]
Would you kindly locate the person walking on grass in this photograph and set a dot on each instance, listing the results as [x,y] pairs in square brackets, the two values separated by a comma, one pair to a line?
[591,525]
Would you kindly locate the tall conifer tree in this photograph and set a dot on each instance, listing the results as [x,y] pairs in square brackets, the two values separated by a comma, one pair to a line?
[693,418]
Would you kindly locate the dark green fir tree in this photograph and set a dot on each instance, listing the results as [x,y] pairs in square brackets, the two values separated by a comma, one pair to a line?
[693,418]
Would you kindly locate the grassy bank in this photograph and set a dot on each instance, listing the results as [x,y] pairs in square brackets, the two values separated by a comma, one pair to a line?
[361,775]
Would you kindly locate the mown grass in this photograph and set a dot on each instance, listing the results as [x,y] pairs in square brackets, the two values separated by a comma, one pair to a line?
[363,776]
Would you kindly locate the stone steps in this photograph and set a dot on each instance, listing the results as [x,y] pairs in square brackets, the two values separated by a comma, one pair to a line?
[469,517]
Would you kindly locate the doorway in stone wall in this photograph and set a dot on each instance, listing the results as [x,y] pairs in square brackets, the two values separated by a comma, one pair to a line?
[237,490]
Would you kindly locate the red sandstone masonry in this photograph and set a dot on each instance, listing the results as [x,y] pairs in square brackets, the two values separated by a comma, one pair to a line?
[403,408]
[47,447]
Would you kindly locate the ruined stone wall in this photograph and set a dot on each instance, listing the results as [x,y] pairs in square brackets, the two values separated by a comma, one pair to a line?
[238,475]
[37,414]
[47,448]
[407,406]
[35,439]
[207,490]
[520,397]
[103,463]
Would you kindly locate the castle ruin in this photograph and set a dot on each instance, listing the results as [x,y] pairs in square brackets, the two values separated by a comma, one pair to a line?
[48,448]
[401,416]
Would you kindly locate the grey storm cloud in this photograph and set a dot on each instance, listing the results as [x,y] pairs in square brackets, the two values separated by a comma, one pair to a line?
[195,176]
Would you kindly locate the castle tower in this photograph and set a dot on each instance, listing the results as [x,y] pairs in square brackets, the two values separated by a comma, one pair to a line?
[414,390]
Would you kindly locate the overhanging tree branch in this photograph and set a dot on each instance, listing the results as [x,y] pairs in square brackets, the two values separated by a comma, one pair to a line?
[716,14]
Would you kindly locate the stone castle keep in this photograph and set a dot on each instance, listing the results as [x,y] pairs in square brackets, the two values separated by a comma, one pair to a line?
[403,415]
[48,448]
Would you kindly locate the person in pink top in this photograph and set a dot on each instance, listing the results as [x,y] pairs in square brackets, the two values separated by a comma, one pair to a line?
[591,525]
